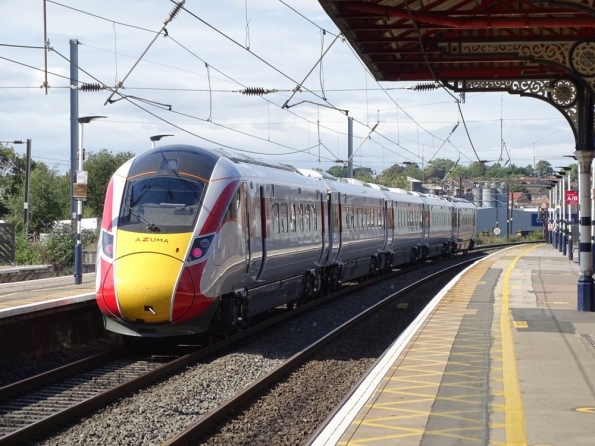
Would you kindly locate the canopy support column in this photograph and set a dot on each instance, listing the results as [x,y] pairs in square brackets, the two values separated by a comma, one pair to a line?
[584,155]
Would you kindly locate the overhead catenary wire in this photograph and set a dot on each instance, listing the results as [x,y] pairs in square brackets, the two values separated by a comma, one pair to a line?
[425,56]
[293,150]
[168,19]
[377,138]
[331,106]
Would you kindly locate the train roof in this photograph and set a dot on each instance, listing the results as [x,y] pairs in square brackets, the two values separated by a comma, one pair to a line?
[241,158]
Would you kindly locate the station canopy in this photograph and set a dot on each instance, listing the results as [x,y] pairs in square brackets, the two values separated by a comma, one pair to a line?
[457,40]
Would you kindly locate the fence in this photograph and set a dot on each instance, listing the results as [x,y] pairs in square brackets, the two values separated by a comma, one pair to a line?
[7,243]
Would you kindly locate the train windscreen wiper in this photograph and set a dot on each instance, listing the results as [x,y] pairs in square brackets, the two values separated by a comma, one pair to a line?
[151,227]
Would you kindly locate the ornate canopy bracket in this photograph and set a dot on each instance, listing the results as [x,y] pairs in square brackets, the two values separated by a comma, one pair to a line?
[561,94]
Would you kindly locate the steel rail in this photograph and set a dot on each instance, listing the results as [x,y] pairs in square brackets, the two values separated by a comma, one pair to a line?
[103,398]
[229,406]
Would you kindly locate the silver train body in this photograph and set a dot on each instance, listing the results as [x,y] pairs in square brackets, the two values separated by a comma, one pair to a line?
[229,237]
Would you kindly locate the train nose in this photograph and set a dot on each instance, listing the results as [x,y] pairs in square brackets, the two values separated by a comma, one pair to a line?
[152,287]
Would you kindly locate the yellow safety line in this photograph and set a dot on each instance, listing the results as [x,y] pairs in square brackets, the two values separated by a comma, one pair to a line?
[514,415]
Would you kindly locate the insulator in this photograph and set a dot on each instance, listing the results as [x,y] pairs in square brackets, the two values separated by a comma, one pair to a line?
[91,87]
[425,87]
[256,91]
[174,12]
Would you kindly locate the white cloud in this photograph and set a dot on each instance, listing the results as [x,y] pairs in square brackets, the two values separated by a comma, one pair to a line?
[282,39]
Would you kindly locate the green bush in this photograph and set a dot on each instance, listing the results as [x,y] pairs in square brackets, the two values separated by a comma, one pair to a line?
[58,250]
[26,253]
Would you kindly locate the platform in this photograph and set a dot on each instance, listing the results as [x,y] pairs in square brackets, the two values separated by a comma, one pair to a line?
[10,273]
[29,296]
[500,357]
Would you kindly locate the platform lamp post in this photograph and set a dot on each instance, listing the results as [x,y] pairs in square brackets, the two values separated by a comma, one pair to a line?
[80,194]
[27,175]
[157,138]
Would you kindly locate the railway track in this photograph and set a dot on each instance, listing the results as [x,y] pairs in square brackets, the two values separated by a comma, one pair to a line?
[24,415]
[220,423]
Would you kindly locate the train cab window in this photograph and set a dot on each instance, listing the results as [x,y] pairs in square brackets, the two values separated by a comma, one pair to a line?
[284,218]
[292,217]
[275,218]
[300,217]
[160,204]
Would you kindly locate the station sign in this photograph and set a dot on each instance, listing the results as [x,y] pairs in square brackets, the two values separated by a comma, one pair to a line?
[79,190]
[571,197]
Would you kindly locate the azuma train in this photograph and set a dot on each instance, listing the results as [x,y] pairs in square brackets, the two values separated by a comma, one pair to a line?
[197,241]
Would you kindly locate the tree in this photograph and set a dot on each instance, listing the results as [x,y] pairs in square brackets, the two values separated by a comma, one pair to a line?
[338,171]
[543,168]
[12,176]
[438,168]
[100,167]
[49,200]
[476,170]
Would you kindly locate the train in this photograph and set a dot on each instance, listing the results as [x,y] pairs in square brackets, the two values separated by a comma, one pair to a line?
[198,241]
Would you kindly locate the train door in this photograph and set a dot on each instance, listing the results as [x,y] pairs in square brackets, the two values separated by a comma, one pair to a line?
[322,228]
[425,223]
[264,228]
[334,228]
[252,229]
[455,224]
[389,222]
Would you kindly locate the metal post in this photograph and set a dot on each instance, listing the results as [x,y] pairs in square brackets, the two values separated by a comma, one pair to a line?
[507,213]
[585,281]
[27,177]
[570,247]
[350,147]
[78,249]
[74,114]
[592,219]
[562,240]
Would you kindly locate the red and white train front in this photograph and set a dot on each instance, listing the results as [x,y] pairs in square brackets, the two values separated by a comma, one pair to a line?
[162,211]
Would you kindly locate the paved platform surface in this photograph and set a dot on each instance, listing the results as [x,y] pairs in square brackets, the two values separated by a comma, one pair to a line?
[501,357]
[35,295]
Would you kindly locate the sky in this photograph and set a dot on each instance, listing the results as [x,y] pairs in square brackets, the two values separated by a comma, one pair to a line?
[189,85]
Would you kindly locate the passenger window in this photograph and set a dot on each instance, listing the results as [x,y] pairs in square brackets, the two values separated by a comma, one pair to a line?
[347,225]
[284,219]
[275,218]
[307,217]
[300,218]
[292,218]
[314,218]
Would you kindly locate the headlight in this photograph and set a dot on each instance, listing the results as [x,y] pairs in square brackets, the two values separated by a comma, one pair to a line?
[107,244]
[200,247]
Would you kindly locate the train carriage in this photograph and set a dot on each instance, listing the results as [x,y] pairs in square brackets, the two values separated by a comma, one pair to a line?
[198,241]
[406,241]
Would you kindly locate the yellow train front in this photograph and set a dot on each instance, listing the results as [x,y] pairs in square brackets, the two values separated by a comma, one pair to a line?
[155,241]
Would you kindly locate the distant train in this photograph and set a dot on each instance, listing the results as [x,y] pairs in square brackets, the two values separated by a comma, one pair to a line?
[199,241]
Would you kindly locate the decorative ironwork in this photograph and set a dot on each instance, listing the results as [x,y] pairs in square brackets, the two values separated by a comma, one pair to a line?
[551,52]
[561,93]
[564,93]
[582,59]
